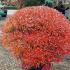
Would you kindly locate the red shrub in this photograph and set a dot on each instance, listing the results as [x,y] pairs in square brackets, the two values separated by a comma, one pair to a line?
[37,35]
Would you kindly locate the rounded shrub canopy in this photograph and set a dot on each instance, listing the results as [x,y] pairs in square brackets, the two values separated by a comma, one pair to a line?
[37,35]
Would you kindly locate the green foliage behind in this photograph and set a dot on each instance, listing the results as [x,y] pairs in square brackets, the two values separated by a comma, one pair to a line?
[34,2]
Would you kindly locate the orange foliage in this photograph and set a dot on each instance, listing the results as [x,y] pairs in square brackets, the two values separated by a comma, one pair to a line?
[37,35]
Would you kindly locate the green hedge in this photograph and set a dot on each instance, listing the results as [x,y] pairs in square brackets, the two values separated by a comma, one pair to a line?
[33,2]
[1,12]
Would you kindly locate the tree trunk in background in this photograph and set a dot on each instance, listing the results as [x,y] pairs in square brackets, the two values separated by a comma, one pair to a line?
[20,4]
